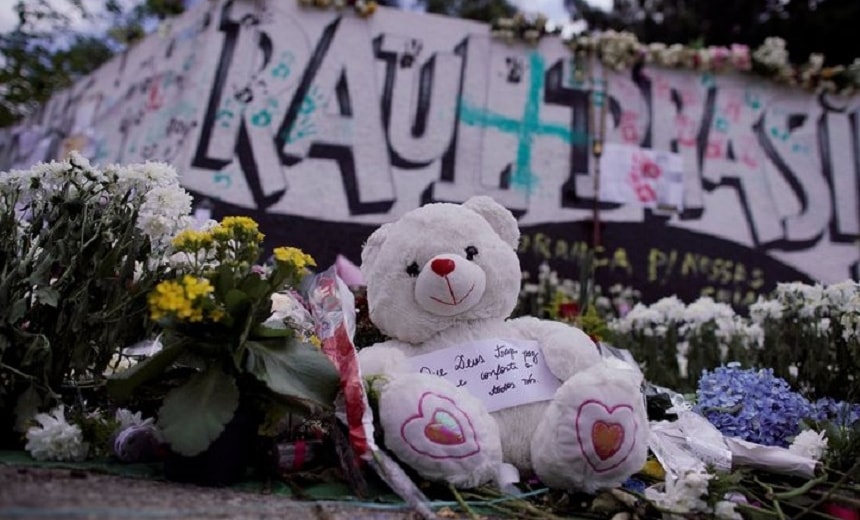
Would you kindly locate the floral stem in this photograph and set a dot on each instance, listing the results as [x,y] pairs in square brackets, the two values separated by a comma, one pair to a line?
[468,510]
[15,371]
[772,497]
[825,496]
[778,509]
[802,490]
[757,510]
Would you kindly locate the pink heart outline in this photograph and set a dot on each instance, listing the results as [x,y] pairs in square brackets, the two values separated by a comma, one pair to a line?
[468,436]
[601,465]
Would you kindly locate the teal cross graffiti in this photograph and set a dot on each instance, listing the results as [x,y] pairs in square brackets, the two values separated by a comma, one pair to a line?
[525,128]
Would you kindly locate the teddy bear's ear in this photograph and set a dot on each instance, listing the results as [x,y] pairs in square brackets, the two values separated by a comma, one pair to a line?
[500,219]
[374,244]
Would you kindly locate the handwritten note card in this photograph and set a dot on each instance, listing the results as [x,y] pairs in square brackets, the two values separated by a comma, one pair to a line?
[502,373]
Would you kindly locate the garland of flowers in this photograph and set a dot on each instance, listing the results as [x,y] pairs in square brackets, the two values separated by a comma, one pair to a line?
[619,50]
[364,8]
[520,27]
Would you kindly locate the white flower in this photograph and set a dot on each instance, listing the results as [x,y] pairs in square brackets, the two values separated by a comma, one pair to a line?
[809,443]
[125,418]
[705,310]
[139,179]
[163,213]
[55,439]
[671,308]
[183,260]
[765,309]
[684,495]
[725,510]
[822,327]
[841,294]
[531,288]
[755,335]
[772,53]
[850,322]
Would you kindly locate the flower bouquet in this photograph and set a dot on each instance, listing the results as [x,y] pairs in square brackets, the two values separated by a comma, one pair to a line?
[240,360]
[80,248]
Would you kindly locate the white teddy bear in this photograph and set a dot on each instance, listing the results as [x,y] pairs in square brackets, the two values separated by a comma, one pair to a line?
[466,393]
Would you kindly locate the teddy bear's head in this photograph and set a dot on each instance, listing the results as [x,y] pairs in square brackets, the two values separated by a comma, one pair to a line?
[442,264]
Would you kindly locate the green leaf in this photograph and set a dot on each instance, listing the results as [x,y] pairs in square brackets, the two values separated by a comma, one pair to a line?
[255,286]
[224,281]
[295,370]
[47,295]
[122,384]
[16,311]
[26,408]
[235,300]
[194,414]
[261,331]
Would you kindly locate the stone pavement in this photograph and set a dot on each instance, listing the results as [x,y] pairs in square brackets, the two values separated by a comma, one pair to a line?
[44,493]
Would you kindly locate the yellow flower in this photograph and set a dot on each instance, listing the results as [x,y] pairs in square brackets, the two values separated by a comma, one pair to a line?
[239,222]
[167,298]
[192,240]
[183,300]
[238,228]
[294,256]
[196,287]
[315,341]
[369,9]
[653,469]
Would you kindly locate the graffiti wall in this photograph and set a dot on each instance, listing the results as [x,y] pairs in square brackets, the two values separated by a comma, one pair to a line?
[323,125]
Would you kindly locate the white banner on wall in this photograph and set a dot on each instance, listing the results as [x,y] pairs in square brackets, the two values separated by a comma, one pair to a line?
[633,175]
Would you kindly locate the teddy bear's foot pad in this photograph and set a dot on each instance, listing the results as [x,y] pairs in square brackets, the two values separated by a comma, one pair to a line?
[594,433]
[439,430]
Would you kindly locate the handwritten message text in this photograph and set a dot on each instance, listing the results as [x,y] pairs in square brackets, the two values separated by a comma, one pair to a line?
[501,372]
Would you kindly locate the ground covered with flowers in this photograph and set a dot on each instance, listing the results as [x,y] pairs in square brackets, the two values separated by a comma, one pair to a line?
[135,335]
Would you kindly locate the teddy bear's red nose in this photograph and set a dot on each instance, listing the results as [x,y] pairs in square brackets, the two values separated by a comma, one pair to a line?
[442,266]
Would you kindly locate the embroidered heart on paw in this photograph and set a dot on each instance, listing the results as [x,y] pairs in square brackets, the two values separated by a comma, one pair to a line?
[444,429]
[440,429]
[606,434]
[606,438]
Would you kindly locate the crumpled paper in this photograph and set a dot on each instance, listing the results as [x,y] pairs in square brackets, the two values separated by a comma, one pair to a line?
[691,443]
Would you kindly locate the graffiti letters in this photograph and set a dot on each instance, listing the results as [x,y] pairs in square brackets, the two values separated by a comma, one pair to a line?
[325,115]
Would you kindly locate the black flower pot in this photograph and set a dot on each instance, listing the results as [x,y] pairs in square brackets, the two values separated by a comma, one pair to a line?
[227,459]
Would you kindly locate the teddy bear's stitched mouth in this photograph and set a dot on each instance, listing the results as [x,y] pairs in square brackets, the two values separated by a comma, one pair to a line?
[453,296]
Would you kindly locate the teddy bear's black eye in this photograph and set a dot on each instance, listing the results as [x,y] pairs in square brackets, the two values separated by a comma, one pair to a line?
[412,269]
[471,252]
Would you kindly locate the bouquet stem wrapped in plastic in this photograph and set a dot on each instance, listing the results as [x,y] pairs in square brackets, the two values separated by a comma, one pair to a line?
[333,308]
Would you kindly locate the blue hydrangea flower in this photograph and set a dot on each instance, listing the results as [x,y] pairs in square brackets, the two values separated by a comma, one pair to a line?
[753,405]
[840,413]
[634,484]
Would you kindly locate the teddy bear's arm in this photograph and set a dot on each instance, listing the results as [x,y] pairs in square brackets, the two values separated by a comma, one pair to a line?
[567,349]
[383,359]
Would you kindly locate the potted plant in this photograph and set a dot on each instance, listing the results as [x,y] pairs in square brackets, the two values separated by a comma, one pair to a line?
[239,364]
